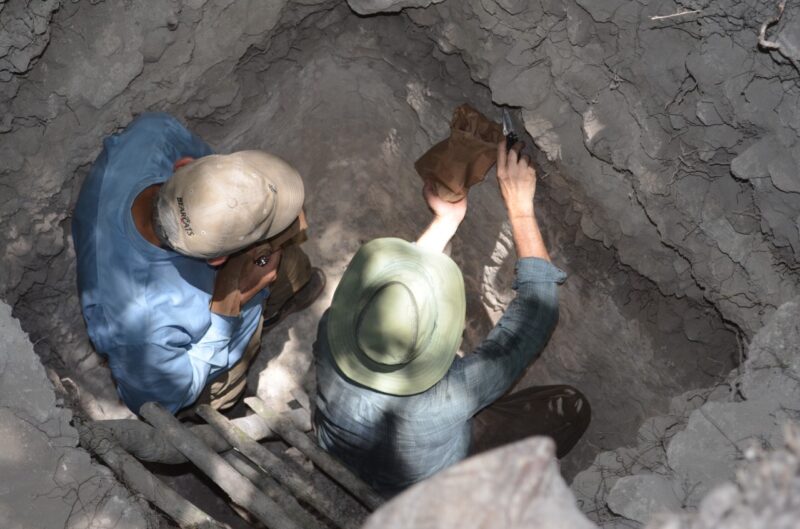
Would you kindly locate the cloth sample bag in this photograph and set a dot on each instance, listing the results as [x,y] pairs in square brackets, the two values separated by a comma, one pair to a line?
[462,160]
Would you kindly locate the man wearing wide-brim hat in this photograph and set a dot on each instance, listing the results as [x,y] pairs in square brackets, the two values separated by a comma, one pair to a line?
[178,265]
[394,403]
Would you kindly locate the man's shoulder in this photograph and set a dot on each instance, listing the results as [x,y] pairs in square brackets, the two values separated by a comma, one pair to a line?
[141,154]
[155,121]
[156,131]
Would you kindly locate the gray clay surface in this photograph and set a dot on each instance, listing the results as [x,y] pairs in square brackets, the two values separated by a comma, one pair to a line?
[47,481]
[666,137]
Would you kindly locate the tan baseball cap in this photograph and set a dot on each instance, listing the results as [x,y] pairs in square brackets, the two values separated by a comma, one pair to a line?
[221,203]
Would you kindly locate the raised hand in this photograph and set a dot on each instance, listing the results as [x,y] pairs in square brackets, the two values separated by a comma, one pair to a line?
[254,278]
[517,180]
[447,216]
[452,211]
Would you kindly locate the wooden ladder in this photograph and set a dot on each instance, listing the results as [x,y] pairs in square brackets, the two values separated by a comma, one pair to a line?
[273,489]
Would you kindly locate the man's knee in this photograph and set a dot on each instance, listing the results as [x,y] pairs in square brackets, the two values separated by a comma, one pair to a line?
[295,266]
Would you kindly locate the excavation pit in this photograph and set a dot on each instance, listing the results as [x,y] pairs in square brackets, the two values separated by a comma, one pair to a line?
[648,311]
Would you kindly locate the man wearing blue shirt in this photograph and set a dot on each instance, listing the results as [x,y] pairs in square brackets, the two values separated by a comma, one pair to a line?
[168,296]
[393,401]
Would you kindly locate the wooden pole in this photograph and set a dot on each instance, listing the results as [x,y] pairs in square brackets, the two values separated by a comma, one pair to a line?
[324,461]
[132,473]
[144,442]
[236,486]
[275,467]
[271,488]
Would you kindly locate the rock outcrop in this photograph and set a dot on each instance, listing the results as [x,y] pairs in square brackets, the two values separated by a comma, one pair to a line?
[674,129]
[681,457]
[48,481]
[514,487]
[764,495]
[519,486]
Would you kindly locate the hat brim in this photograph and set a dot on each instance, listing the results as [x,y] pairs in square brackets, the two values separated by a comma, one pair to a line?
[385,260]
[290,191]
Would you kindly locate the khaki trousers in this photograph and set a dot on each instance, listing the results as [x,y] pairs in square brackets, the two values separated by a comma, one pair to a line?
[226,389]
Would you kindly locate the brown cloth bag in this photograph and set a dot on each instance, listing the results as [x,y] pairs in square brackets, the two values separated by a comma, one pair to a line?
[226,288]
[463,159]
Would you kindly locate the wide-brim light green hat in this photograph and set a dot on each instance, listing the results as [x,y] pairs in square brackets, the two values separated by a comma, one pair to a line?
[397,317]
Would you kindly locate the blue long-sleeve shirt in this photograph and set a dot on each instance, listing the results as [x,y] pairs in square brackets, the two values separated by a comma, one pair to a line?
[393,441]
[147,308]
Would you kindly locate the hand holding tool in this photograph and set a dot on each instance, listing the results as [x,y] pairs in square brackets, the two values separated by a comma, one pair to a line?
[508,130]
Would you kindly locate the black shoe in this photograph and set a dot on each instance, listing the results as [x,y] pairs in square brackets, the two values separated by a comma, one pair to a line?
[302,299]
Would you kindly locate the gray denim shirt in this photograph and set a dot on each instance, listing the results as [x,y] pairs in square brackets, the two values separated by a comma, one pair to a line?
[392,441]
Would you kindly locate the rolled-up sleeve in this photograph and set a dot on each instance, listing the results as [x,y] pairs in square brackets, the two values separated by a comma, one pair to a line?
[517,339]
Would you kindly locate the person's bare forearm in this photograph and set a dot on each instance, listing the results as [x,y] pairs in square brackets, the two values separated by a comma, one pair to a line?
[517,180]
[438,234]
[447,216]
[527,236]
